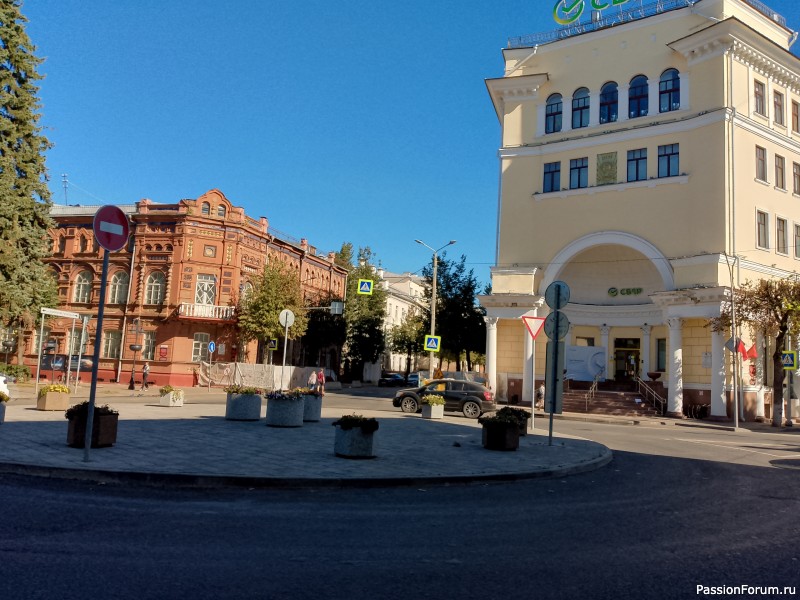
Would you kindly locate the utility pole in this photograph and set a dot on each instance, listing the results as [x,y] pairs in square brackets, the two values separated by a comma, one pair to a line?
[64,182]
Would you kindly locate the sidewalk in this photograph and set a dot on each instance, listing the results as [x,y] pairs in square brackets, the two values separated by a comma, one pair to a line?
[194,445]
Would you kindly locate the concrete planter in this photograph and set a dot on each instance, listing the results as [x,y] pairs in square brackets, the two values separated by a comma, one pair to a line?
[175,398]
[243,407]
[285,412]
[500,436]
[104,431]
[53,401]
[433,411]
[354,443]
[312,408]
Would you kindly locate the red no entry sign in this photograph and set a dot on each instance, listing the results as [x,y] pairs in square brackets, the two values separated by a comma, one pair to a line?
[111,228]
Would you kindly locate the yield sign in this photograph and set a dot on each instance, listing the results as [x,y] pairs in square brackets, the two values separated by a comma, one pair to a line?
[534,325]
[111,227]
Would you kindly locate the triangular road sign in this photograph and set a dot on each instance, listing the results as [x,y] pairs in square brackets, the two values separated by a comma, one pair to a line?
[534,325]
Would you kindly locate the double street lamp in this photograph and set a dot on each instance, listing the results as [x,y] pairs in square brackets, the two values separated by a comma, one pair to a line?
[433,291]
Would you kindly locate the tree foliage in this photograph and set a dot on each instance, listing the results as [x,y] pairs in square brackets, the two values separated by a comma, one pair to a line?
[26,284]
[407,338]
[364,314]
[275,289]
[324,330]
[771,306]
[459,319]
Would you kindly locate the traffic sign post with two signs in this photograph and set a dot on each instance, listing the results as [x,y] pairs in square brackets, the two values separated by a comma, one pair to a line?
[556,326]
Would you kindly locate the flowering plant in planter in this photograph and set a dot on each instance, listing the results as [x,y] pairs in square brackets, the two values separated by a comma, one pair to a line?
[433,399]
[167,389]
[281,395]
[82,410]
[366,424]
[520,414]
[4,397]
[53,387]
[242,389]
[304,391]
[499,418]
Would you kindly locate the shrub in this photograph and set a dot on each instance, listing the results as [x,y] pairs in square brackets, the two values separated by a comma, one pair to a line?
[53,387]
[520,414]
[499,418]
[19,372]
[82,410]
[433,399]
[243,389]
[167,389]
[4,397]
[367,424]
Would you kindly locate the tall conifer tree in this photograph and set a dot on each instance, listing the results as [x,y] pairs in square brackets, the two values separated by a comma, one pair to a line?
[26,284]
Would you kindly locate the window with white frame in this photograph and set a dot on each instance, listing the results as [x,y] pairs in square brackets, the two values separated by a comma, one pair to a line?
[609,102]
[759,101]
[200,347]
[149,345]
[155,288]
[795,116]
[669,91]
[638,97]
[761,163]
[552,120]
[762,229]
[796,178]
[796,240]
[112,342]
[83,287]
[637,164]
[206,289]
[578,173]
[118,292]
[552,177]
[777,104]
[780,172]
[668,160]
[37,341]
[580,108]
[781,236]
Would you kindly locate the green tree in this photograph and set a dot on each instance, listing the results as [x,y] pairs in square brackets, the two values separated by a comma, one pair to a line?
[324,331]
[407,338]
[26,284]
[771,306]
[364,314]
[459,319]
[275,289]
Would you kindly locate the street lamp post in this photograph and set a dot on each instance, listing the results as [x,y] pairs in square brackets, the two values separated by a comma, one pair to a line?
[7,346]
[433,291]
[135,347]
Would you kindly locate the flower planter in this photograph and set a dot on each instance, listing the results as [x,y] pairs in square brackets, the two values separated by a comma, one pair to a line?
[104,431]
[432,411]
[285,412]
[243,407]
[175,398]
[312,408]
[53,401]
[354,443]
[500,436]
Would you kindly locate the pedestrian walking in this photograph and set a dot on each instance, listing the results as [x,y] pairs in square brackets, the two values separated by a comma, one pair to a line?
[145,374]
[312,381]
[321,382]
[540,396]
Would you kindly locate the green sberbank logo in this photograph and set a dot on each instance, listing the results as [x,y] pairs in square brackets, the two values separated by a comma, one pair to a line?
[567,12]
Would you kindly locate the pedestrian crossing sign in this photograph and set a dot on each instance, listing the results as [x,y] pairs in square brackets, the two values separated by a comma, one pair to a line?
[789,360]
[365,287]
[272,344]
[432,343]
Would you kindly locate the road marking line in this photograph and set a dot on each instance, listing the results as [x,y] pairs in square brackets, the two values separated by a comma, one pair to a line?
[731,448]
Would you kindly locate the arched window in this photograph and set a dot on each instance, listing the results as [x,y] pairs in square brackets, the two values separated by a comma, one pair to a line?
[154,292]
[221,210]
[669,91]
[609,104]
[205,208]
[580,108]
[83,244]
[118,293]
[83,287]
[638,97]
[552,119]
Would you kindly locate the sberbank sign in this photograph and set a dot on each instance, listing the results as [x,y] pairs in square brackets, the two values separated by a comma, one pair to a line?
[614,292]
[567,12]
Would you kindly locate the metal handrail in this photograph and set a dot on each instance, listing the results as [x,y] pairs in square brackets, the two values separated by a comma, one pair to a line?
[650,395]
[592,390]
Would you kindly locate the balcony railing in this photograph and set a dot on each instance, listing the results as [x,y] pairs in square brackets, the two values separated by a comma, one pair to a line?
[205,311]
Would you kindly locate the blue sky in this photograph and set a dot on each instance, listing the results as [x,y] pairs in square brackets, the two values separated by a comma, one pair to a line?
[348,121]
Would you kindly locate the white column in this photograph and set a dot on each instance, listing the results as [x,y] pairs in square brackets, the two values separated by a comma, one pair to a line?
[540,118]
[594,109]
[652,97]
[684,93]
[527,364]
[604,341]
[760,379]
[675,397]
[491,352]
[622,101]
[645,351]
[718,401]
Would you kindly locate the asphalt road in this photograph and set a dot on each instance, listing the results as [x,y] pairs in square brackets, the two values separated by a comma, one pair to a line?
[677,508]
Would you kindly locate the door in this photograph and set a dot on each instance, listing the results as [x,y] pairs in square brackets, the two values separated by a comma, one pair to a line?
[626,359]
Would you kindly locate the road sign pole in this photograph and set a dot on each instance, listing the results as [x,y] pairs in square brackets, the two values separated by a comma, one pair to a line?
[210,366]
[285,338]
[96,357]
[554,378]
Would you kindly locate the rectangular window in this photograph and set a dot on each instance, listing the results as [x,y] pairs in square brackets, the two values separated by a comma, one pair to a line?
[661,354]
[778,106]
[112,342]
[762,230]
[668,159]
[796,117]
[200,347]
[761,163]
[552,177]
[796,178]
[637,164]
[782,235]
[584,341]
[758,94]
[780,172]
[149,345]
[796,240]
[578,173]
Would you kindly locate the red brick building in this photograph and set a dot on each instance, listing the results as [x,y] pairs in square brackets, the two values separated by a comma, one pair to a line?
[174,288]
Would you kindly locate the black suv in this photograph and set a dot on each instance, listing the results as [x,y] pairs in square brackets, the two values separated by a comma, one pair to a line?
[469,398]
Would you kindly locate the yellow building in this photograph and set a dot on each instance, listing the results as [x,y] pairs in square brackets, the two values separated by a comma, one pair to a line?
[650,159]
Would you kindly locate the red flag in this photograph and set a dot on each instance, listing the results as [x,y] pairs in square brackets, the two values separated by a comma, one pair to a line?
[752,353]
[741,349]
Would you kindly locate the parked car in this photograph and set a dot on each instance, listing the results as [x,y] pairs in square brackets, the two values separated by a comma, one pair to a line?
[413,380]
[392,379]
[469,398]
